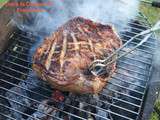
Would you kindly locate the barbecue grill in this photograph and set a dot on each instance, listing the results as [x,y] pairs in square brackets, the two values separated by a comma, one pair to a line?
[24,96]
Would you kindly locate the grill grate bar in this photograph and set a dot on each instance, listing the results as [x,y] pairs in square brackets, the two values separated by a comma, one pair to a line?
[109,89]
[120,86]
[129,96]
[48,105]
[22,41]
[134,71]
[110,112]
[138,39]
[138,25]
[138,60]
[117,78]
[108,81]
[127,63]
[26,74]
[115,95]
[30,44]
[123,40]
[31,108]
[21,65]
[20,53]
[121,100]
[65,104]
[28,68]
[131,64]
[18,111]
[124,57]
[30,62]
[31,39]
[17,46]
[10,118]
[118,66]
[49,90]
[130,76]
[131,34]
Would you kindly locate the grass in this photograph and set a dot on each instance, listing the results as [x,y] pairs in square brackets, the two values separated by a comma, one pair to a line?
[156,114]
[152,13]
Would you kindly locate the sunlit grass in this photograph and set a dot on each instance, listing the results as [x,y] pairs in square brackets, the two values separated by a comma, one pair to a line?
[156,115]
[152,13]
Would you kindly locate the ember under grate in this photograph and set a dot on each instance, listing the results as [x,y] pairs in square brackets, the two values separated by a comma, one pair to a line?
[24,97]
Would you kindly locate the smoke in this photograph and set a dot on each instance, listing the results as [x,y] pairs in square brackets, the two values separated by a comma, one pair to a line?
[116,12]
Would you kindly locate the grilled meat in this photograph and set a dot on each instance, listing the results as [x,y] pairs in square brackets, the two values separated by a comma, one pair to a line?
[63,58]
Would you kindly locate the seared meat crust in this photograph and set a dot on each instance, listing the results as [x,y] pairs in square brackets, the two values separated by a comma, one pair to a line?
[64,57]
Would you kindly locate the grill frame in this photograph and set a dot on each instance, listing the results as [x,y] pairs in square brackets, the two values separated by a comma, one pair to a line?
[29,45]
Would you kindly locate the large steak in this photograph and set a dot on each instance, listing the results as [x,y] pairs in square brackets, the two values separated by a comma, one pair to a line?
[64,57]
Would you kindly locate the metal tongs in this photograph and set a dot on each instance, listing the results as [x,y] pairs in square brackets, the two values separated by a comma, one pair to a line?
[98,67]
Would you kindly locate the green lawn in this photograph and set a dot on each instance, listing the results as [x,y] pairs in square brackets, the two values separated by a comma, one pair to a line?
[156,115]
[152,13]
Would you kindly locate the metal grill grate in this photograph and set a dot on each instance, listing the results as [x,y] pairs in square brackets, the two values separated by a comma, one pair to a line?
[23,96]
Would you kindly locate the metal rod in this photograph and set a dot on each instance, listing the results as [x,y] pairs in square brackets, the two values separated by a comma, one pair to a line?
[19,112]
[53,100]
[30,108]
[126,81]
[129,96]
[106,62]
[47,105]
[120,86]
[10,118]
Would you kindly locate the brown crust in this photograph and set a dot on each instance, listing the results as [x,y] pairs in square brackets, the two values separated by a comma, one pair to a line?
[63,58]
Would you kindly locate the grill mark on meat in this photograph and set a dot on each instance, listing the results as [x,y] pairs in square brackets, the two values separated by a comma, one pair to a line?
[51,52]
[63,52]
[77,48]
[92,48]
[80,28]
[89,40]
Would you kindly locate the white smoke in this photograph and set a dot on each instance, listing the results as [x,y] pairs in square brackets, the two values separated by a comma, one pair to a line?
[116,12]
